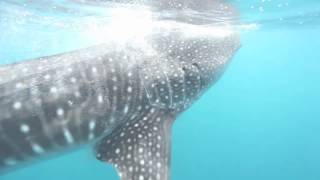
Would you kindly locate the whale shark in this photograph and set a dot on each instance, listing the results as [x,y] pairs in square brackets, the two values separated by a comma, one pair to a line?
[120,96]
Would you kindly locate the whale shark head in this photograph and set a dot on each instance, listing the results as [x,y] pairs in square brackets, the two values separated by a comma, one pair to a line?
[186,45]
[188,59]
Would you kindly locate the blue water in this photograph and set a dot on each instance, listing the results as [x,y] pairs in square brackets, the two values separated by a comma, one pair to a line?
[261,121]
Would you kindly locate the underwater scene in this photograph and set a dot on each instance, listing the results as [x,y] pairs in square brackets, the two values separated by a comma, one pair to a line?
[89,89]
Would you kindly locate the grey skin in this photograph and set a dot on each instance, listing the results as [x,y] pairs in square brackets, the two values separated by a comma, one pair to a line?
[123,97]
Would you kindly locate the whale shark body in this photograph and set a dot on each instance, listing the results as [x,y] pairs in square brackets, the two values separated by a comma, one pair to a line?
[122,96]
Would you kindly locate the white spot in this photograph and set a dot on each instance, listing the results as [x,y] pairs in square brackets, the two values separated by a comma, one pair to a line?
[112,120]
[17,105]
[19,85]
[158,164]
[47,76]
[94,70]
[130,168]
[91,136]
[60,112]
[129,89]
[92,125]
[68,136]
[77,94]
[24,128]
[117,151]
[122,134]
[70,103]
[142,162]
[100,98]
[141,177]
[73,80]
[37,148]
[140,150]
[126,109]
[53,90]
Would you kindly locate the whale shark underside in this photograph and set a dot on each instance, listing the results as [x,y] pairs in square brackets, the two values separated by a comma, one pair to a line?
[124,98]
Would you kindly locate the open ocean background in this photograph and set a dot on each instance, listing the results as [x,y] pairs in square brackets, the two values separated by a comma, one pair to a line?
[261,121]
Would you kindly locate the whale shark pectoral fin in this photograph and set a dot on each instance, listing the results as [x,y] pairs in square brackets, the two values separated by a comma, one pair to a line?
[140,149]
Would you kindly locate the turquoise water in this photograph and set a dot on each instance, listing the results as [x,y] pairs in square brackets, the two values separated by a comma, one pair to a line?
[259,122]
